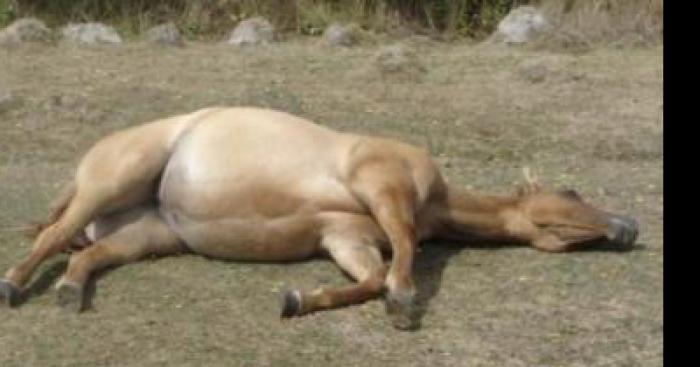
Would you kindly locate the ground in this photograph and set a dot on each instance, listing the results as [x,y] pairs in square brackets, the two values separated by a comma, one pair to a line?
[593,122]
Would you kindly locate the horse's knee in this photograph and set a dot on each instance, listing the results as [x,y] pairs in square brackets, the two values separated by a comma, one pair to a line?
[399,284]
[375,283]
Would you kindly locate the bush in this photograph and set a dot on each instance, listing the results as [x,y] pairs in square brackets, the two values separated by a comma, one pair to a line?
[8,10]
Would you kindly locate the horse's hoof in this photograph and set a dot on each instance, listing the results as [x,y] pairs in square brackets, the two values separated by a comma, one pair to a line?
[9,293]
[290,303]
[70,297]
[403,312]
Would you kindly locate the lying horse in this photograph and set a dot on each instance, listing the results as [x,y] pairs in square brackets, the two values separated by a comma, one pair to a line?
[262,185]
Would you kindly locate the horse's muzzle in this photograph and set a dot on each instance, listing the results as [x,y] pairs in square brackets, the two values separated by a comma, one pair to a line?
[623,230]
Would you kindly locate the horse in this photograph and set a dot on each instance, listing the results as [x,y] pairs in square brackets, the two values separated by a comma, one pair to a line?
[252,184]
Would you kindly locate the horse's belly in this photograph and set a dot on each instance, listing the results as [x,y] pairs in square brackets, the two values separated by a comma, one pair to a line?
[251,185]
[286,238]
[249,219]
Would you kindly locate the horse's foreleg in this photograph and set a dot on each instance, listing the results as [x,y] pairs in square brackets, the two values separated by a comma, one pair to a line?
[389,193]
[137,234]
[362,262]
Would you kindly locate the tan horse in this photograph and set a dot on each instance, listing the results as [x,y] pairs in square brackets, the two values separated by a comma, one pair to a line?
[254,184]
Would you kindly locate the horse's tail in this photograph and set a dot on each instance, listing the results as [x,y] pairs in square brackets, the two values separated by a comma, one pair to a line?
[59,205]
[56,209]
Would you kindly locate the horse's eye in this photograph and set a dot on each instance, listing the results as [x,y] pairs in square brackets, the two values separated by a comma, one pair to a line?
[571,194]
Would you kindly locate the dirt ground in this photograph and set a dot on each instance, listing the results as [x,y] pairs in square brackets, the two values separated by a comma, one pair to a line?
[593,122]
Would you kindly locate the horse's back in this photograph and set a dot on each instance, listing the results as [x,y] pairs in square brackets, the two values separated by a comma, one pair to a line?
[252,155]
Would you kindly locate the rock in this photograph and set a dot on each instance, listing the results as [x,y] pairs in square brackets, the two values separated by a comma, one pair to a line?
[253,31]
[400,32]
[398,59]
[534,71]
[542,68]
[418,40]
[165,34]
[341,35]
[25,30]
[7,100]
[522,25]
[90,33]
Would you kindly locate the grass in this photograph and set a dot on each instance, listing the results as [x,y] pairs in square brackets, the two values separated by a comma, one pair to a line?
[482,120]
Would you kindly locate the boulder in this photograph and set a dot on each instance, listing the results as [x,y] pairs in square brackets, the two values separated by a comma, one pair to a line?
[522,25]
[253,31]
[7,100]
[25,30]
[342,35]
[535,70]
[165,34]
[399,60]
[90,34]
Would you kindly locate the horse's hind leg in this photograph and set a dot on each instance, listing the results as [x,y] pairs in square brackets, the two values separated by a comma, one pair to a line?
[117,173]
[131,236]
[360,259]
[85,206]
[50,241]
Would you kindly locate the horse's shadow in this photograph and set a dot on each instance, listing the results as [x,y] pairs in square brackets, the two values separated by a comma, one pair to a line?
[44,281]
[429,266]
[433,258]
[53,272]
[428,270]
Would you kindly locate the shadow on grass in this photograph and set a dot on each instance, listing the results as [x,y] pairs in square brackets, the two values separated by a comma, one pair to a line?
[50,276]
[90,290]
[431,262]
[429,267]
[45,280]
[605,246]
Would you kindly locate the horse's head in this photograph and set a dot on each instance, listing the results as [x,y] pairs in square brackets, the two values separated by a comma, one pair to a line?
[560,220]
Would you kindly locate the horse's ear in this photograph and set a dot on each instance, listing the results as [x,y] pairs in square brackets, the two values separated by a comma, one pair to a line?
[531,185]
[571,194]
[520,190]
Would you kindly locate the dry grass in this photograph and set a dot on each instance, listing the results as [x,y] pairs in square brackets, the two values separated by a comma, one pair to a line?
[583,24]
[594,122]
[579,23]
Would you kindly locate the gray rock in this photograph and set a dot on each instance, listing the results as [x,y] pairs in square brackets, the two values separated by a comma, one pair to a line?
[253,31]
[400,32]
[522,25]
[7,100]
[90,34]
[398,59]
[25,30]
[344,35]
[165,34]
[534,71]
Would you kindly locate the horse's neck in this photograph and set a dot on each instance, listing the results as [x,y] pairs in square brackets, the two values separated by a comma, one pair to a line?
[468,215]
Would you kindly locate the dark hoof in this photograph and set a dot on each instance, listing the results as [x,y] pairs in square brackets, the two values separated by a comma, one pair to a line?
[70,297]
[402,312]
[290,303]
[9,293]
